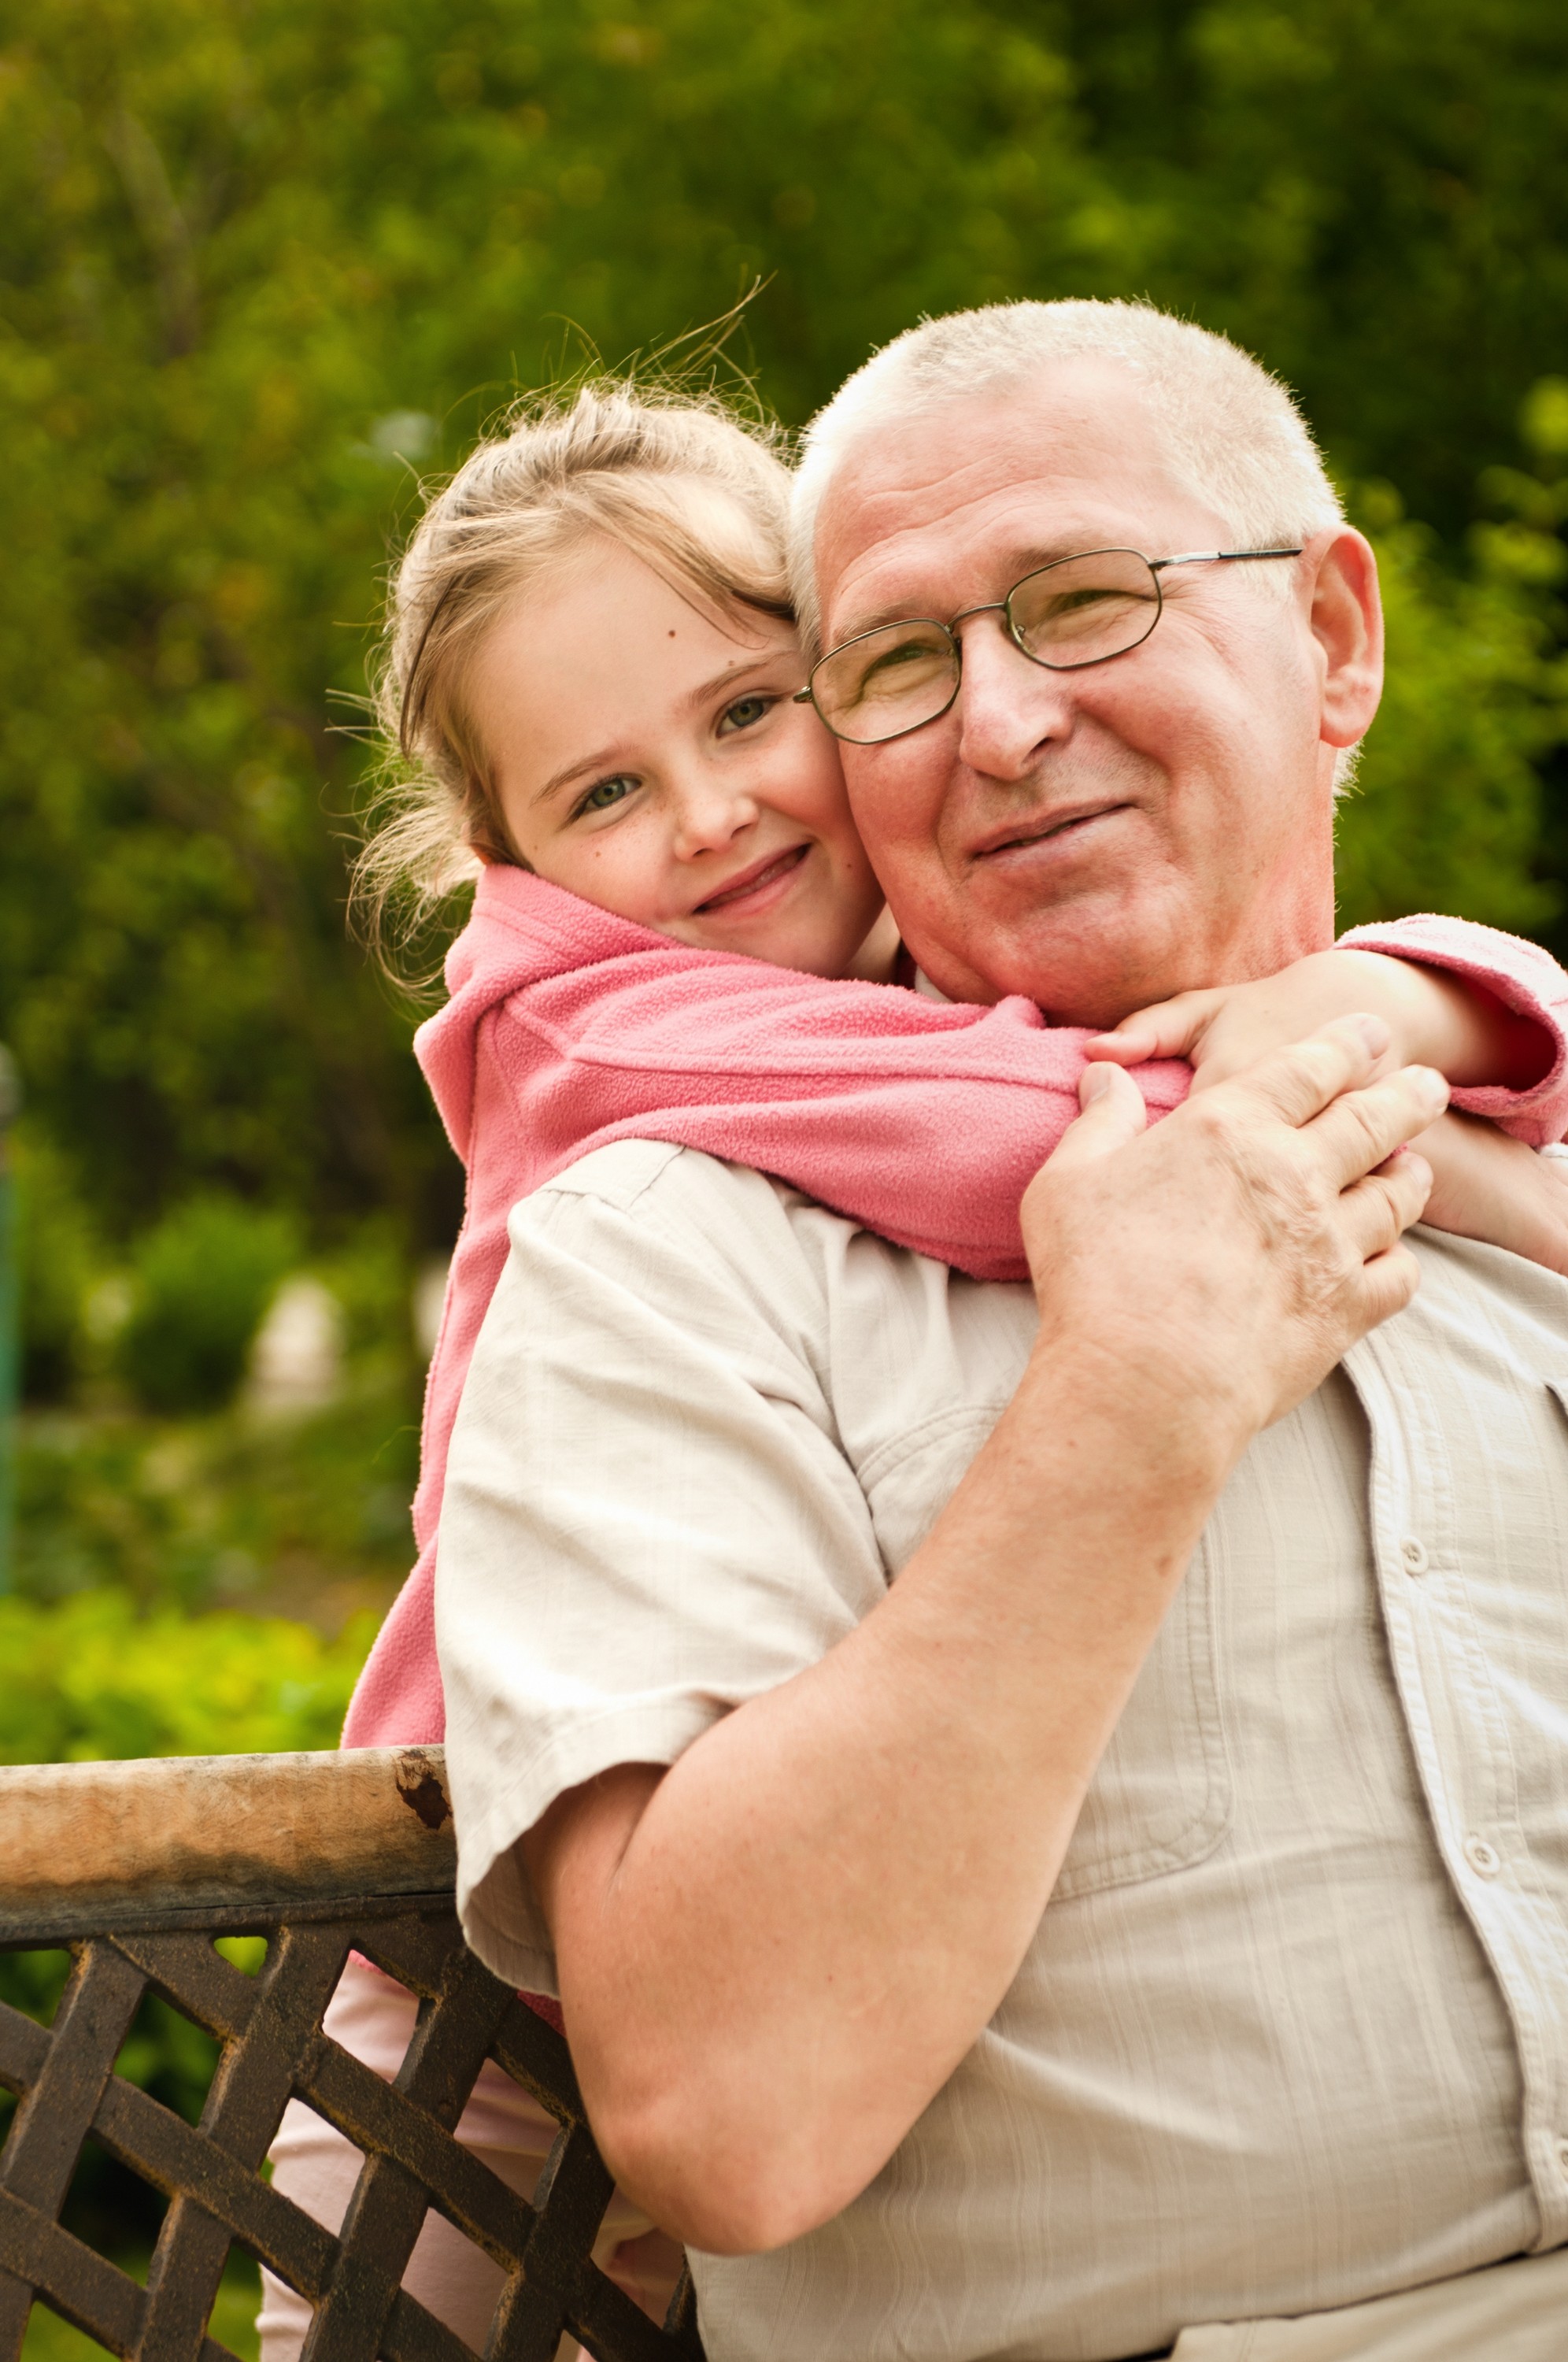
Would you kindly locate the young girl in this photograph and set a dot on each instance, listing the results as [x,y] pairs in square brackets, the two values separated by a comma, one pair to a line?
[677,936]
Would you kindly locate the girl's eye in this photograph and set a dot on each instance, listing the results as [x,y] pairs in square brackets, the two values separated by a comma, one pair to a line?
[745,712]
[604,795]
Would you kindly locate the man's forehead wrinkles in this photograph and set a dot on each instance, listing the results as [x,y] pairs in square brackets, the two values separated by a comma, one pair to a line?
[956,552]
[971,546]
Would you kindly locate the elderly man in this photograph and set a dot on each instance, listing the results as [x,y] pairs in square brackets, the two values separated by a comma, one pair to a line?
[1227,1622]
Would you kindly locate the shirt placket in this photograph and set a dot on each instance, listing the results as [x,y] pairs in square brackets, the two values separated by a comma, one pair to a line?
[1459,1731]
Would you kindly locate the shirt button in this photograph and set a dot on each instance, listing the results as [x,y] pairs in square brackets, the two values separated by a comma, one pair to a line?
[1483,1860]
[1413,1555]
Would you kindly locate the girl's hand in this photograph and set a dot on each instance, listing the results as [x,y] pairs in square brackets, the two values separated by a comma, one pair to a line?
[1485,1186]
[1434,1018]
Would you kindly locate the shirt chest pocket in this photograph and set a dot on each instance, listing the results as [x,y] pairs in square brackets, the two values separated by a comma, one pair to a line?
[1161,1798]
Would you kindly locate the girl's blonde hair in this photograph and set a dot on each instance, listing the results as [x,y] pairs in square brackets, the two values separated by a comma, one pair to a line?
[700,494]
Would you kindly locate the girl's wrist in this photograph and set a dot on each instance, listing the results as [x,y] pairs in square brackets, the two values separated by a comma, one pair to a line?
[1463,1029]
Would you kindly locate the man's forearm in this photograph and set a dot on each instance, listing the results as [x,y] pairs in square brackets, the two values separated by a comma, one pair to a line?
[824,1902]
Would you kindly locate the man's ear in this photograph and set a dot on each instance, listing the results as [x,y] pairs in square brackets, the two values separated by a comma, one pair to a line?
[1347,625]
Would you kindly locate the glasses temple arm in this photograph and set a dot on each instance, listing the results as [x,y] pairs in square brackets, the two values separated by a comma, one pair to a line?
[1217,557]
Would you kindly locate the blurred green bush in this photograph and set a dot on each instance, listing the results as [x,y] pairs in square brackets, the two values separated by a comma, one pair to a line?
[201,1281]
[232,1511]
[61,1258]
[91,1677]
[1446,812]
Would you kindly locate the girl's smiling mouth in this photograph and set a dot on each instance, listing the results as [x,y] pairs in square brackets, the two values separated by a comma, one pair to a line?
[755,883]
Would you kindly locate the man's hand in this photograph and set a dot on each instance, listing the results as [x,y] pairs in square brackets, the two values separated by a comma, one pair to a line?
[1230,1257]
[1434,1018]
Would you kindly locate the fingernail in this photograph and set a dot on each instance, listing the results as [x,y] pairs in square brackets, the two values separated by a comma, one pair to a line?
[1373,1033]
[1434,1086]
[1095,1084]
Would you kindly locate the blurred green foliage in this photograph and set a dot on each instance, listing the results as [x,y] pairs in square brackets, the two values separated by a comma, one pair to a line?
[93,1677]
[221,1511]
[1447,812]
[200,1282]
[261,264]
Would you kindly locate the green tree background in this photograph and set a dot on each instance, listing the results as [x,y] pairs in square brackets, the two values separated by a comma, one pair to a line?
[265,265]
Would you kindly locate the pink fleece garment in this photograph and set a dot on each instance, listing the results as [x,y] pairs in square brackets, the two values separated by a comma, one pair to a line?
[923,1119]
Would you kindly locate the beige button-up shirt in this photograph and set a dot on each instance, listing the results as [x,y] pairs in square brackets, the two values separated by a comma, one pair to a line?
[1294,2030]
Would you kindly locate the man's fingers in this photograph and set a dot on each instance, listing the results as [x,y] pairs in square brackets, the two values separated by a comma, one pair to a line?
[1363,1128]
[1298,1082]
[1388,1282]
[1374,1213]
[1113,1113]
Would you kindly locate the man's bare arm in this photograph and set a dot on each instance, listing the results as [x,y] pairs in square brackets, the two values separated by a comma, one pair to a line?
[774,1954]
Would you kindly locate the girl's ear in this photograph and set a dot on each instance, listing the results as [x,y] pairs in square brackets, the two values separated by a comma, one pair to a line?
[487,837]
[1347,625]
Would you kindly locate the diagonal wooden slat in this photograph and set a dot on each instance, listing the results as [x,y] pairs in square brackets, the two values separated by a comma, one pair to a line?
[277,2015]
[88,2292]
[93,2020]
[375,2118]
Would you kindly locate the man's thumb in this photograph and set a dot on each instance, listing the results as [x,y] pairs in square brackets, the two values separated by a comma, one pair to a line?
[1113,1113]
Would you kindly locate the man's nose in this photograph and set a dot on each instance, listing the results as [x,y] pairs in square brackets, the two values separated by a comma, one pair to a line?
[709,814]
[1009,707]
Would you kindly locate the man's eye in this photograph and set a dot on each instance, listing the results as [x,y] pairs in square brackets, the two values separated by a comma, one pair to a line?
[745,712]
[604,795]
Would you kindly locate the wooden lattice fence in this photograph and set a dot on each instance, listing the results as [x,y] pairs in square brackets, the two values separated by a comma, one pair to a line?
[137,1868]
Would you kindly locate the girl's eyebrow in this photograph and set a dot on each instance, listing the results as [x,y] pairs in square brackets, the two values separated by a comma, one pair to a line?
[722,680]
[570,771]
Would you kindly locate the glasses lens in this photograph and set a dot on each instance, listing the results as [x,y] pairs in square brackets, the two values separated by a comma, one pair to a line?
[1083,610]
[887,682]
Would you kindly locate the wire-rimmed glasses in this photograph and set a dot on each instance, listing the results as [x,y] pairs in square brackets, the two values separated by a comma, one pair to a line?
[1077,611]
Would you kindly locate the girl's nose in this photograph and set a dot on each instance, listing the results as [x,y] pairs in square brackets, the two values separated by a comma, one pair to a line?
[708,816]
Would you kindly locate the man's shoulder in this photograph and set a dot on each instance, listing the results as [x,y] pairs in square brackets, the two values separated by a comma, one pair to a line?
[663,1181]
[674,1224]
[619,1175]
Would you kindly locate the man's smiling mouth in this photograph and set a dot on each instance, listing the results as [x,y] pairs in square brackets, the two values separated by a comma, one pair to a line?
[755,880]
[1021,835]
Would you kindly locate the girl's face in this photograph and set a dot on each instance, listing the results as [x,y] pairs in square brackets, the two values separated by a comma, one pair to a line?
[648,757]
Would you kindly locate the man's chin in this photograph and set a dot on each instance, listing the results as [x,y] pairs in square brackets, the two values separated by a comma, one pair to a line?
[1089,960]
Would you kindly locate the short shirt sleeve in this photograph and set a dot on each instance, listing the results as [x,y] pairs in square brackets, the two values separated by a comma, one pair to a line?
[648,1517]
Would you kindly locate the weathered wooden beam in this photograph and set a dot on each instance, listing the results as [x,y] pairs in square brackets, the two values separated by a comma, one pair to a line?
[120,1845]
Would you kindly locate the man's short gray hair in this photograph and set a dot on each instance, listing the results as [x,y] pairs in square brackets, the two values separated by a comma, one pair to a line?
[1232,430]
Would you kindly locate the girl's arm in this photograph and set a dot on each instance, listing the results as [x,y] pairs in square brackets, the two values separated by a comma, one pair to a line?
[1503,968]
[829,1086]
[1484,1008]
[1480,1026]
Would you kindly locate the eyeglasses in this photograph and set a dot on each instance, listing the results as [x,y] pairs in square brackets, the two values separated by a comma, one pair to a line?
[1077,611]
